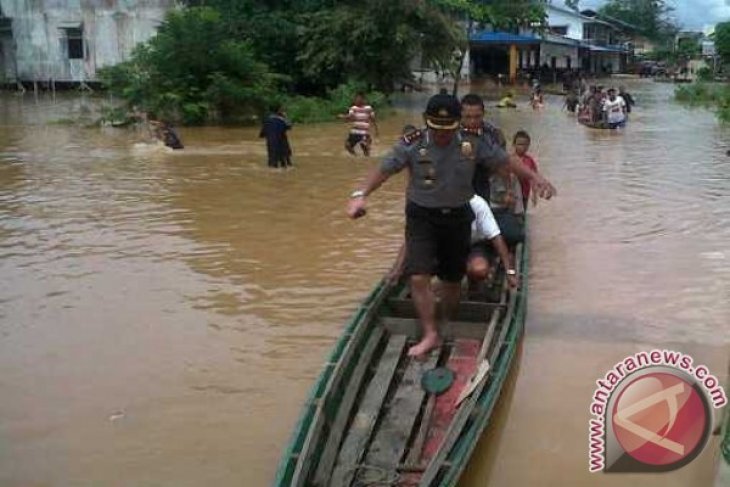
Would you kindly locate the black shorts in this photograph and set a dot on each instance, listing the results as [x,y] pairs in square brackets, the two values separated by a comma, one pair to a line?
[354,139]
[438,241]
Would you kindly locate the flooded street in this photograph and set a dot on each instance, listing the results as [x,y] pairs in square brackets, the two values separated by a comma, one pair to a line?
[163,316]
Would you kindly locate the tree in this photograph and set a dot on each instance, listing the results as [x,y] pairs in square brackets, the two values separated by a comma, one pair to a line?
[497,14]
[572,4]
[192,69]
[652,17]
[374,41]
[722,41]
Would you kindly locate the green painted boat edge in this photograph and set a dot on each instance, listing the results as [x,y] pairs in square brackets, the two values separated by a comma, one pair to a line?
[465,445]
[467,442]
[288,462]
[723,468]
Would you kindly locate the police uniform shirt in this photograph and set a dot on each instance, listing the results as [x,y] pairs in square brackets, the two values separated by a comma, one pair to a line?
[441,177]
[491,135]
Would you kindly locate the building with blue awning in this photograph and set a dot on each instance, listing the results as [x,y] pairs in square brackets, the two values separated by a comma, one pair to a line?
[572,41]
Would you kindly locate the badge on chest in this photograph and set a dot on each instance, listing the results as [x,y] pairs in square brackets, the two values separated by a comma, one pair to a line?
[467,149]
[426,168]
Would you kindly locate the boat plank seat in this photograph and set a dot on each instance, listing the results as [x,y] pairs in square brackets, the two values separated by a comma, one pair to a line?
[363,422]
[467,310]
[450,330]
[391,439]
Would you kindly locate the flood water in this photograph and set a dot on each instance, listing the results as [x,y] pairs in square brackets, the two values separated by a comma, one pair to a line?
[163,315]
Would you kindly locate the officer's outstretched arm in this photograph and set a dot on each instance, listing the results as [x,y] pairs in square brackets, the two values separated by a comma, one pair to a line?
[357,202]
[544,188]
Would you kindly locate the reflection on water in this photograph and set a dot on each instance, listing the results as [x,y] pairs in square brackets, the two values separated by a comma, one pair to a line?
[162,315]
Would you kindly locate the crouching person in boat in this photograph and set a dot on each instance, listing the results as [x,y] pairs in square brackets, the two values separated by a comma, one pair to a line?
[438,216]
[487,239]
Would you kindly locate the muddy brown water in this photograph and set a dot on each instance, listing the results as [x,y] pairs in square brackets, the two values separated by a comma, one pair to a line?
[162,316]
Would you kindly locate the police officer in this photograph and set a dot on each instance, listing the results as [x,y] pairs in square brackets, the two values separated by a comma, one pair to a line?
[475,127]
[441,165]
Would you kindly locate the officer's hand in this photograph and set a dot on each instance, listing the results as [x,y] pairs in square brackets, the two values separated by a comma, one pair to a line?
[356,207]
[544,188]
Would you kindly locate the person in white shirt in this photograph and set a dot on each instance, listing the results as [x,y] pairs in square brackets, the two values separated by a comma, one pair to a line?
[615,109]
[485,233]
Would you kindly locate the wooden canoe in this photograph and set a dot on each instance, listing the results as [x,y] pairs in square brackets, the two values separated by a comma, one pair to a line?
[368,421]
[723,468]
[595,125]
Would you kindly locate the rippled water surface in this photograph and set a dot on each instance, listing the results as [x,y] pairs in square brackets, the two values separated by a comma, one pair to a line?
[162,315]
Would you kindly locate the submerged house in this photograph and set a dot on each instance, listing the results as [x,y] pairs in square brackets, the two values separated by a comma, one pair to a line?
[67,41]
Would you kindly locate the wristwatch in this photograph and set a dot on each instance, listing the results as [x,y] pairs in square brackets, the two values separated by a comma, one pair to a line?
[357,194]
[511,272]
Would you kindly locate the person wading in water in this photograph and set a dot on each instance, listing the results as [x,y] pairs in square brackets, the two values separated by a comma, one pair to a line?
[362,116]
[274,130]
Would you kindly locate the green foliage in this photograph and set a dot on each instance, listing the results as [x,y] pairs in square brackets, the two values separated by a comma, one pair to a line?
[382,37]
[227,59]
[705,74]
[722,40]
[192,70]
[501,14]
[710,95]
[652,17]
[303,109]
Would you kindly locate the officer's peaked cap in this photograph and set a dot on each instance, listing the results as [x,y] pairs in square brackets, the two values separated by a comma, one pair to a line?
[443,112]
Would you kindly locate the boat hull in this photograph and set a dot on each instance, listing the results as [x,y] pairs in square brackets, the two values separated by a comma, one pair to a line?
[368,417]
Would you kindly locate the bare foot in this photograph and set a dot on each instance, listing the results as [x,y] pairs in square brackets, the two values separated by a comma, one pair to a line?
[429,342]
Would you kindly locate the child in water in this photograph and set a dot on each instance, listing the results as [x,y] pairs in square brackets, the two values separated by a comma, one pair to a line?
[508,101]
[521,144]
[538,100]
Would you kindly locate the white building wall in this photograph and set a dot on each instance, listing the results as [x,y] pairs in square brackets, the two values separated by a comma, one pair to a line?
[111,29]
[574,21]
[561,53]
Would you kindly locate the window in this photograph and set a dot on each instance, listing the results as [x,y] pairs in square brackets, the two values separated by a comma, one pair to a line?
[75,43]
[561,30]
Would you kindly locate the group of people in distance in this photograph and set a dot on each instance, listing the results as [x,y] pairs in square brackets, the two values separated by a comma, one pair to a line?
[465,202]
[600,106]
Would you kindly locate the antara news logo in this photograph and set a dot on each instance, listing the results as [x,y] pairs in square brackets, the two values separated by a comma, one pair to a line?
[652,412]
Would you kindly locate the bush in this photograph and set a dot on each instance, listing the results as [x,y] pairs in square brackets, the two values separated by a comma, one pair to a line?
[710,95]
[193,72]
[302,109]
[705,74]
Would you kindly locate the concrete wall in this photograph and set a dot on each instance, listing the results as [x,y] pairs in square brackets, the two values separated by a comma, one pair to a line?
[558,17]
[111,28]
[611,60]
[561,53]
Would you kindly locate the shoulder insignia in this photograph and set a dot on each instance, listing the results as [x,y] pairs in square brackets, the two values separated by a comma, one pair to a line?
[411,137]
